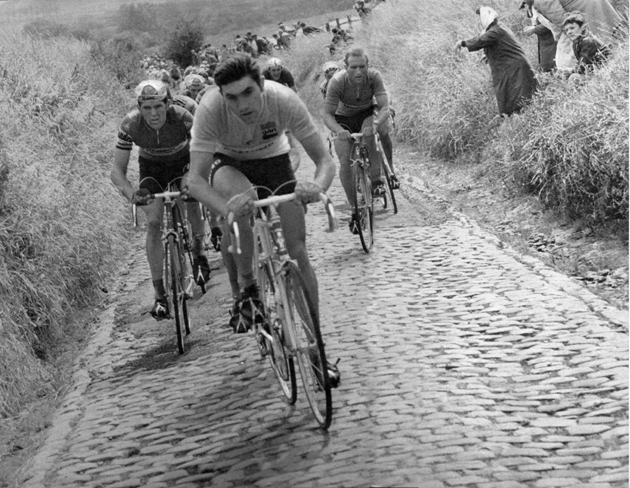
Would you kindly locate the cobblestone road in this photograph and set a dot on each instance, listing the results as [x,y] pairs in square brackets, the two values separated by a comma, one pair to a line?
[463,365]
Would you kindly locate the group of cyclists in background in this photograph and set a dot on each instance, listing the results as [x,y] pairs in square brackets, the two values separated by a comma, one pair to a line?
[227,126]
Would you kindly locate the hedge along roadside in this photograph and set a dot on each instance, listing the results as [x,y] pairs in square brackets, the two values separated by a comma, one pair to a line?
[61,223]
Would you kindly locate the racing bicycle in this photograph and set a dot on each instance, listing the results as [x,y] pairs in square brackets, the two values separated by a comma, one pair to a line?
[290,330]
[363,200]
[178,260]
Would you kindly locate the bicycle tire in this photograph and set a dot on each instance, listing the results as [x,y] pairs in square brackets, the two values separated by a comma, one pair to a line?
[186,261]
[303,322]
[280,360]
[390,189]
[363,204]
[178,297]
[184,231]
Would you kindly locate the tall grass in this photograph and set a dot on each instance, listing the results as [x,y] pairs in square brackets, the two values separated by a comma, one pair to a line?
[570,146]
[60,220]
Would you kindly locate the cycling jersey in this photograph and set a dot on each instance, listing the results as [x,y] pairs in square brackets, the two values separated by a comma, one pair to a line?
[285,78]
[185,102]
[350,99]
[218,130]
[170,143]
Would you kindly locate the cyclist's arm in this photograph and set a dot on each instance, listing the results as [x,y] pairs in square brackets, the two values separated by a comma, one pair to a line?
[119,172]
[197,180]
[382,108]
[329,118]
[325,167]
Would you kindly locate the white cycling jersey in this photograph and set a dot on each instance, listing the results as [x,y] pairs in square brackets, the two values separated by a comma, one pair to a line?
[218,130]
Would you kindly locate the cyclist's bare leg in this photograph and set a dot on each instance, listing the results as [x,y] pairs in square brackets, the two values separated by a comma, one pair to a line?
[294,228]
[230,266]
[154,245]
[386,141]
[229,182]
[343,148]
[194,217]
[375,157]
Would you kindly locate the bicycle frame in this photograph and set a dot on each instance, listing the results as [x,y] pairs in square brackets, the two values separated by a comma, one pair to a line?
[364,203]
[290,331]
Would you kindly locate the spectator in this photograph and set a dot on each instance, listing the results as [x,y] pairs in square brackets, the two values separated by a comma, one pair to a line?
[512,74]
[603,20]
[589,51]
[546,41]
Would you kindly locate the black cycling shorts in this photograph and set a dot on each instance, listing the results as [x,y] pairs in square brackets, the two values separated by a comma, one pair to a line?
[155,176]
[270,173]
[354,123]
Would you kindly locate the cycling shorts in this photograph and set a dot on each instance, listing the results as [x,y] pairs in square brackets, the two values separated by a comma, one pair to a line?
[155,176]
[270,173]
[354,123]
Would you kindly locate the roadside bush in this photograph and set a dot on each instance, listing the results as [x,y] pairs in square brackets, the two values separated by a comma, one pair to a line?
[60,220]
[571,146]
[186,37]
[121,56]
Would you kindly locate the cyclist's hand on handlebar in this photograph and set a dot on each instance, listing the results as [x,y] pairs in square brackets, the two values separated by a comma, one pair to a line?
[343,135]
[240,205]
[368,131]
[141,196]
[307,191]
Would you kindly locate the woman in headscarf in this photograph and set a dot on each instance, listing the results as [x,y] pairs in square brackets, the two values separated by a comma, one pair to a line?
[512,74]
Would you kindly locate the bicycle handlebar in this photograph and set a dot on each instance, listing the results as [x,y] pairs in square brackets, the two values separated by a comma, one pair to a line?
[275,200]
[164,194]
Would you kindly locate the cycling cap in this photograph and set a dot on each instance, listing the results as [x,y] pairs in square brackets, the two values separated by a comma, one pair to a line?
[330,65]
[194,80]
[274,62]
[150,90]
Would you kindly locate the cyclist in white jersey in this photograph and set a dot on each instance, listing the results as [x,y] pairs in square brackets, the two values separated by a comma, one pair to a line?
[239,140]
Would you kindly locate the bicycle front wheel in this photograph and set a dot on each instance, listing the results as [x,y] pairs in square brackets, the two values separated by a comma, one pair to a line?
[363,205]
[178,294]
[271,337]
[303,319]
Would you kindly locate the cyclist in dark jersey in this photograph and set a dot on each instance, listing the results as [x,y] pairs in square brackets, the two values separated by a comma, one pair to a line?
[278,73]
[161,130]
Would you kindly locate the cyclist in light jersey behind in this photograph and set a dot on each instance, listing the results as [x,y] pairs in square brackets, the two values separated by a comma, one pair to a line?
[350,108]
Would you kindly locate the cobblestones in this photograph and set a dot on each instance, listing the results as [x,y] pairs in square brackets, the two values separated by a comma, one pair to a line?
[463,365]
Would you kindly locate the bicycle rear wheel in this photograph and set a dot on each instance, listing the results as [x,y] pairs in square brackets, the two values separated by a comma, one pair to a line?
[363,204]
[271,338]
[390,190]
[303,319]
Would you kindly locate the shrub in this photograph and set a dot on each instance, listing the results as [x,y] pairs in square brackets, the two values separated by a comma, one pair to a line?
[185,38]
[120,55]
[571,145]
